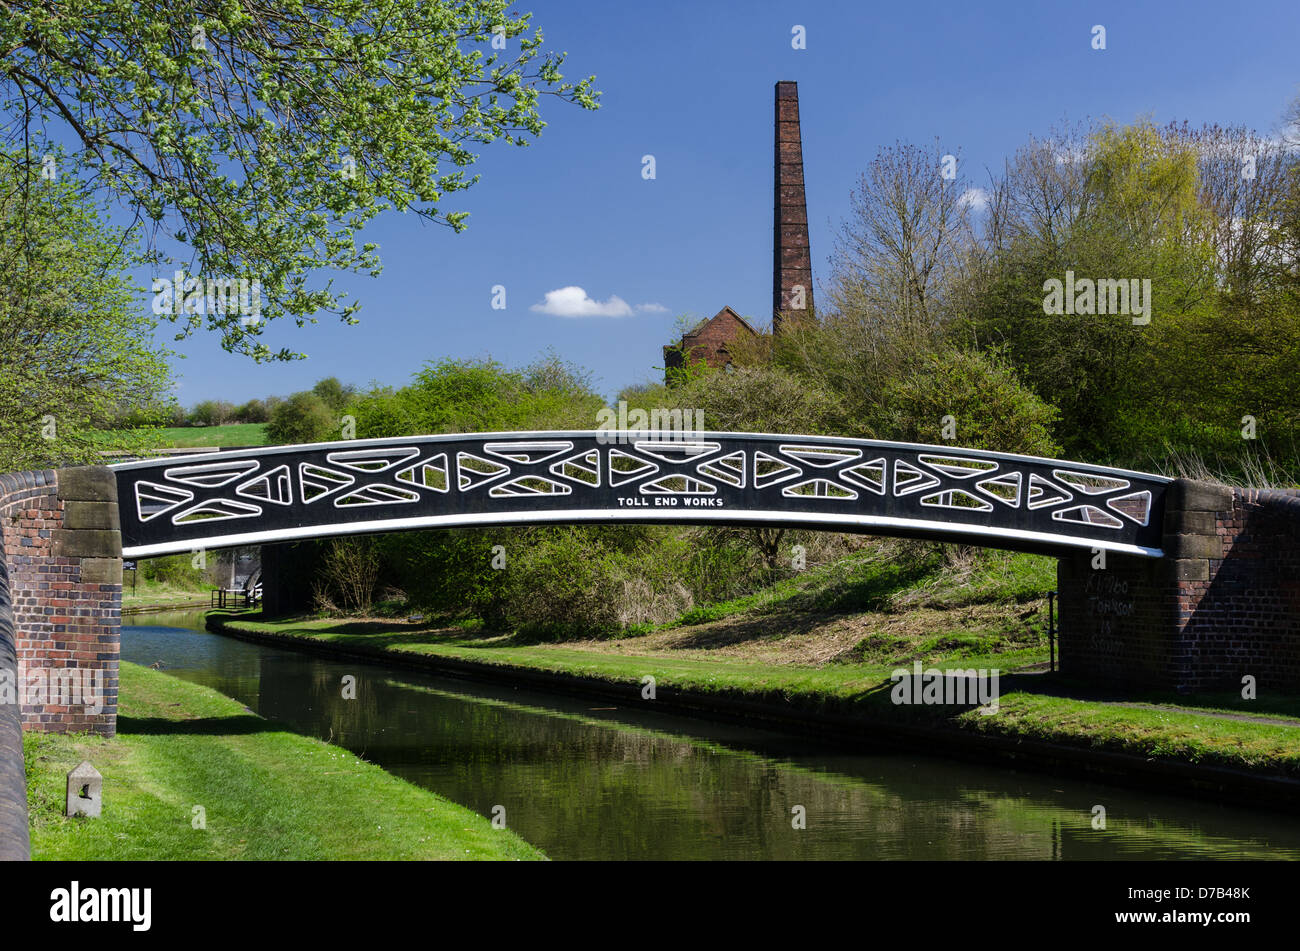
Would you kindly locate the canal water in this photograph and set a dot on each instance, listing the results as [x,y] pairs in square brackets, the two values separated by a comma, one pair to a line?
[586,780]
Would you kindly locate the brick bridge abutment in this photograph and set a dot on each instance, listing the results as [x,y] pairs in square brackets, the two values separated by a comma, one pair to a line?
[1222,605]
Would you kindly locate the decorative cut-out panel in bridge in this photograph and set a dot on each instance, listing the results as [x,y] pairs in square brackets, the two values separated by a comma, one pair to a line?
[868,475]
[217,510]
[729,469]
[958,468]
[430,473]
[819,489]
[1136,506]
[769,470]
[373,460]
[909,479]
[276,486]
[473,471]
[211,475]
[1044,493]
[378,493]
[529,485]
[679,485]
[1087,515]
[1088,483]
[956,499]
[316,482]
[674,451]
[529,453]
[1004,487]
[625,467]
[821,457]
[583,468]
[152,499]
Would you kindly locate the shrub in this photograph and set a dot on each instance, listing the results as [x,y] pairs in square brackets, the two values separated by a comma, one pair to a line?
[349,574]
[989,406]
[302,418]
[211,413]
[254,411]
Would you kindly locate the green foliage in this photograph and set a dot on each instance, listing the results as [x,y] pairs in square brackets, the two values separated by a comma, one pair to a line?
[1169,206]
[77,347]
[267,141]
[989,407]
[254,411]
[175,570]
[334,394]
[480,395]
[349,572]
[302,418]
[211,413]
[763,398]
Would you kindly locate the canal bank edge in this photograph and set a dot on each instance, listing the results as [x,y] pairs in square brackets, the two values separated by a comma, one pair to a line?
[1217,783]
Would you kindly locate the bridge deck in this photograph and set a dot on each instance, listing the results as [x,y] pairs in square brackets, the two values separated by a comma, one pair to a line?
[281,493]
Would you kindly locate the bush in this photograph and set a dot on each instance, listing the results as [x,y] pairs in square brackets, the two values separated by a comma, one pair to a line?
[982,394]
[755,399]
[349,574]
[302,418]
[177,570]
[334,394]
[254,411]
[211,413]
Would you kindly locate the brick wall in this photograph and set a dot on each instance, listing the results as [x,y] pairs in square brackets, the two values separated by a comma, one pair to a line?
[1223,603]
[709,342]
[62,548]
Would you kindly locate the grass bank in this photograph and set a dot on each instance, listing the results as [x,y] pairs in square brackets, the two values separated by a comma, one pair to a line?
[199,437]
[185,751]
[142,593]
[738,658]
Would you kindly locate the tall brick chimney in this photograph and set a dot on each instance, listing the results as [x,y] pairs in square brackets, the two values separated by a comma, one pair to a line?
[792,293]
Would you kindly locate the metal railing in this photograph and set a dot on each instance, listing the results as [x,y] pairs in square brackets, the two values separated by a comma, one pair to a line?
[236,598]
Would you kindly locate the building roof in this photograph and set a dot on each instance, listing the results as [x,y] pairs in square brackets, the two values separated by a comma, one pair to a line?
[694,331]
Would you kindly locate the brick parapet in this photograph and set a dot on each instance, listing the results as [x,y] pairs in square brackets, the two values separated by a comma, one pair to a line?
[62,547]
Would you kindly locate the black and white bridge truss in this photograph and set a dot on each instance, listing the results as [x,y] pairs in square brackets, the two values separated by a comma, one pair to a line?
[282,493]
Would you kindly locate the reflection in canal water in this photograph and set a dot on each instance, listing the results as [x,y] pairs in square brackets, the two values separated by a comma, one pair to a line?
[583,780]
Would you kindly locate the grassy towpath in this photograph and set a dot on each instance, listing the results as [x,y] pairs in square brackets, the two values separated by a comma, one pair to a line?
[185,752]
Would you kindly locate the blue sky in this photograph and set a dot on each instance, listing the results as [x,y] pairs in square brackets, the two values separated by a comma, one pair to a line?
[692,84]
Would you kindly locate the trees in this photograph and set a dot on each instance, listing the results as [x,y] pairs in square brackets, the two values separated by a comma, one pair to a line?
[481,395]
[265,136]
[302,418]
[1197,213]
[1120,204]
[334,394]
[988,406]
[77,348]
[211,413]
[899,252]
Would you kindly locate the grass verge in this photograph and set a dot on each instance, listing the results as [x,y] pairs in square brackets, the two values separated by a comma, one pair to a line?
[264,793]
[145,592]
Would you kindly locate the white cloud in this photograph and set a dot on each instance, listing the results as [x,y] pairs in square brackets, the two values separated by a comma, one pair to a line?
[573,301]
[976,199]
